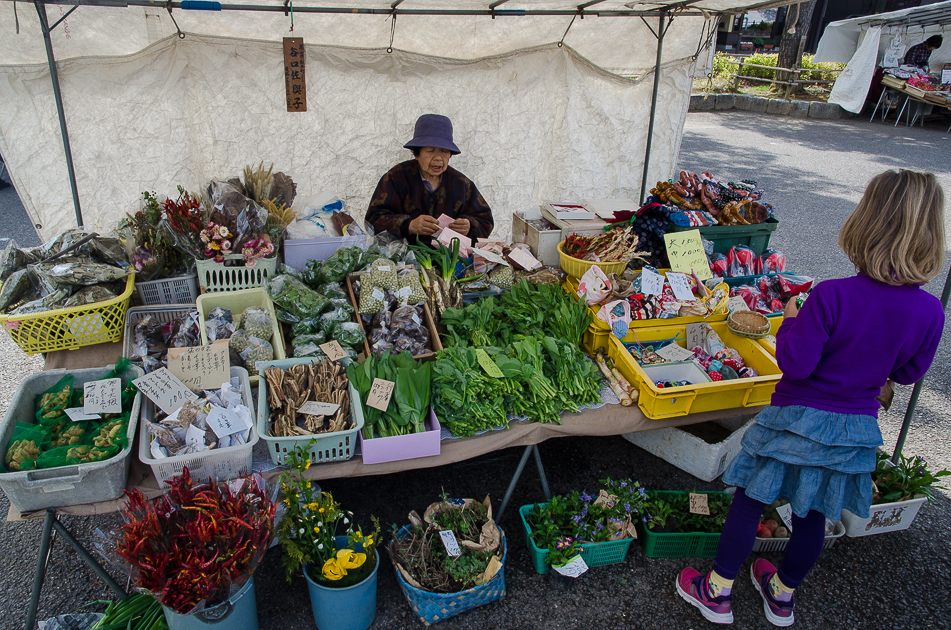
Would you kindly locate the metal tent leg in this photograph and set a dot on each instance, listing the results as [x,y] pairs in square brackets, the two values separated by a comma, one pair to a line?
[518,473]
[879,102]
[51,523]
[902,111]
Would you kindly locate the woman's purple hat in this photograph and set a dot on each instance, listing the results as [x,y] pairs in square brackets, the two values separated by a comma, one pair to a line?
[433,130]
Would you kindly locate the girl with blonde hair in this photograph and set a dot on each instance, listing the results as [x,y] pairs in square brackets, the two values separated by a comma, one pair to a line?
[815,444]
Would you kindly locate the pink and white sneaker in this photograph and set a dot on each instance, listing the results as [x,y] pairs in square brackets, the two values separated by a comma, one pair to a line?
[692,586]
[778,613]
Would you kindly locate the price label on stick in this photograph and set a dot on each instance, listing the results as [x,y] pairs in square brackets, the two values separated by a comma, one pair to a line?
[315,408]
[574,568]
[680,286]
[380,392]
[164,389]
[202,367]
[652,283]
[698,504]
[103,396]
[333,350]
[686,253]
[451,544]
[673,352]
[785,513]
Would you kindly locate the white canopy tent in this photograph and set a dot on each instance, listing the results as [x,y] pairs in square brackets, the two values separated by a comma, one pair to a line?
[861,43]
[549,98]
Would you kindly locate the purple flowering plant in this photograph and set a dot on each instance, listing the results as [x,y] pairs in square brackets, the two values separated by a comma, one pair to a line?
[907,479]
[579,517]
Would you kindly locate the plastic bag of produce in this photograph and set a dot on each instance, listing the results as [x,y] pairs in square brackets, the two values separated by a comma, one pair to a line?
[258,350]
[14,259]
[304,340]
[410,289]
[75,271]
[17,286]
[111,434]
[308,326]
[294,300]
[343,261]
[741,261]
[239,341]
[72,455]
[383,275]
[49,302]
[309,350]
[331,319]
[343,305]
[257,322]
[25,446]
[372,298]
[220,324]
[332,291]
[90,295]
[771,261]
[50,404]
[66,433]
[349,334]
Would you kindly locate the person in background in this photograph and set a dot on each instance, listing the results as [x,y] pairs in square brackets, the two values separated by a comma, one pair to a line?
[815,444]
[919,54]
[412,195]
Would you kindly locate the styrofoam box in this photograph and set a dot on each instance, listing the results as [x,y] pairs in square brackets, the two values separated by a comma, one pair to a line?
[31,490]
[297,252]
[218,463]
[885,517]
[691,454]
[397,447]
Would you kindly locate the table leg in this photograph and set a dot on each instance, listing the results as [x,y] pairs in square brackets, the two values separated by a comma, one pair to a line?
[541,473]
[40,574]
[514,482]
[880,97]
[902,111]
[88,559]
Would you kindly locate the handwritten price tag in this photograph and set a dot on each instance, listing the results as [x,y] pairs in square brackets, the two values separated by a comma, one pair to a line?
[696,335]
[333,350]
[673,352]
[686,254]
[103,396]
[380,392]
[202,367]
[488,364]
[785,513]
[574,568]
[315,408]
[451,544]
[698,504]
[736,303]
[224,422]
[164,389]
[76,414]
[652,283]
[680,286]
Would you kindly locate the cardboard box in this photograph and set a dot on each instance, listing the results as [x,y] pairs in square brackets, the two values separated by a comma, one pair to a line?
[398,447]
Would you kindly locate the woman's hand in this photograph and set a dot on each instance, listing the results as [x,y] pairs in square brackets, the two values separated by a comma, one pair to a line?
[423,225]
[791,309]
[461,226]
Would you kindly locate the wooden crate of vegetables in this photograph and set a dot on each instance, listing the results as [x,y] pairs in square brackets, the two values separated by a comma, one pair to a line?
[409,333]
[289,384]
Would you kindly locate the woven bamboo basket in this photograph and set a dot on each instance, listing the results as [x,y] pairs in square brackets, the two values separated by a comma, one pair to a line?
[748,324]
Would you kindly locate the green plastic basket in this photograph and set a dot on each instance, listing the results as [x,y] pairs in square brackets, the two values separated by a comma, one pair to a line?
[689,545]
[594,554]
[756,236]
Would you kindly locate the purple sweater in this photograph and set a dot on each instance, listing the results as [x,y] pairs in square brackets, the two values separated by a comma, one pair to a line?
[849,338]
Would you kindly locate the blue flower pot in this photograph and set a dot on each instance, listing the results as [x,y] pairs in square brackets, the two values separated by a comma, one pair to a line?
[350,608]
[239,613]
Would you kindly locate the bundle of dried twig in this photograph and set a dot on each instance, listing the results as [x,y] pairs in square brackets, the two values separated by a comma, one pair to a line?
[288,390]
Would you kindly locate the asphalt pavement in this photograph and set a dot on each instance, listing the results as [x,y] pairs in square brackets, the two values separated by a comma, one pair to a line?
[814,173]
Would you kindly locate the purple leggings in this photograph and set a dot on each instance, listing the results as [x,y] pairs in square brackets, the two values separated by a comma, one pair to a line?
[739,533]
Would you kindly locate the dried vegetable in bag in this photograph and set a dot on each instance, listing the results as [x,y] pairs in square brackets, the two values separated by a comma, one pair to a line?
[50,302]
[74,271]
[294,300]
[90,295]
[219,325]
[50,404]
[14,259]
[16,287]
[257,350]
[25,446]
[383,275]
[257,322]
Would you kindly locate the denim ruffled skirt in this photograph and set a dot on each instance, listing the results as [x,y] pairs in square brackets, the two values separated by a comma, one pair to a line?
[818,460]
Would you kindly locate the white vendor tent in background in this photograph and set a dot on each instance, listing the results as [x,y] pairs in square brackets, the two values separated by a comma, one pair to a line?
[550,99]
[861,43]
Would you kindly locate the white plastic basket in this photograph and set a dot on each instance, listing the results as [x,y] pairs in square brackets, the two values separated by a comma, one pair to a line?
[160,314]
[177,290]
[214,276]
[31,490]
[220,463]
[883,517]
[328,447]
[766,545]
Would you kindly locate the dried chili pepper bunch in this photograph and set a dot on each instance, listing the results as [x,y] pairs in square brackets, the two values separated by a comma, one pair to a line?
[619,244]
[197,546]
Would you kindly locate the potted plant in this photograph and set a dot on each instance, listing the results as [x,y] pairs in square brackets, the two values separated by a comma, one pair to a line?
[451,560]
[339,561]
[673,529]
[565,551]
[196,548]
[899,490]
[600,527]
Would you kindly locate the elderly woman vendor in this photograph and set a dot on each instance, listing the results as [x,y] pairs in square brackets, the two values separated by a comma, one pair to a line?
[414,194]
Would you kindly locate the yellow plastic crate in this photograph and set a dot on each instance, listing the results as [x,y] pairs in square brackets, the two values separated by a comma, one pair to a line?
[775,321]
[598,335]
[70,328]
[236,302]
[679,401]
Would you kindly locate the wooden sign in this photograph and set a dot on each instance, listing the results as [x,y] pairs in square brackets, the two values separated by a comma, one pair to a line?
[698,504]
[380,392]
[295,84]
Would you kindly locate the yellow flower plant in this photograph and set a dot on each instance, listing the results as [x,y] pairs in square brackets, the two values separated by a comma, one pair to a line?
[309,532]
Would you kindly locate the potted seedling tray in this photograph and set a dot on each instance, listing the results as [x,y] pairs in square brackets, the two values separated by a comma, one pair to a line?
[679,545]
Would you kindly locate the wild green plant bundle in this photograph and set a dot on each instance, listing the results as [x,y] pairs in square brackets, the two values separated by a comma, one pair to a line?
[409,404]
[908,479]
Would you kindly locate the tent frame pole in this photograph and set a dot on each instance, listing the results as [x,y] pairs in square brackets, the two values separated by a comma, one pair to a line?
[659,34]
[54,76]
[916,392]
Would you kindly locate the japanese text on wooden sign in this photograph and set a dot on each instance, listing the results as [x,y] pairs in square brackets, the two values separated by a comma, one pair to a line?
[380,392]
[295,84]
[201,367]
[333,350]
[685,251]
[699,504]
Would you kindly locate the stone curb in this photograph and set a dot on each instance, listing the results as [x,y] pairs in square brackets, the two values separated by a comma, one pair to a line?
[762,105]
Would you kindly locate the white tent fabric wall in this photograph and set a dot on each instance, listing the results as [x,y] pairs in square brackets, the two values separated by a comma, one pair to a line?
[537,124]
[851,86]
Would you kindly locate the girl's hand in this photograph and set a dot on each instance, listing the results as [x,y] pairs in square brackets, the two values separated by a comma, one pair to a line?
[791,309]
